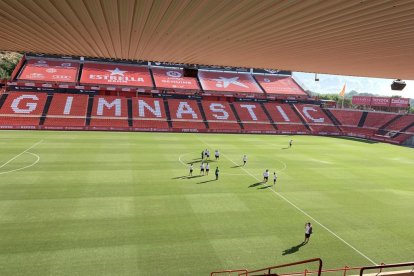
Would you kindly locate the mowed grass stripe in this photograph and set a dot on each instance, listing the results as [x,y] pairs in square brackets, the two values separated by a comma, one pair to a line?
[120,203]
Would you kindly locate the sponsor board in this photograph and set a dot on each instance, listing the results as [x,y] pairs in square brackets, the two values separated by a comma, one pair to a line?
[173,78]
[50,70]
[279,85]
[234,82]
[116,74]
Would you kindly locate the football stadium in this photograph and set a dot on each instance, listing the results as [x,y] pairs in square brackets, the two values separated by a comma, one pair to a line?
[171,137]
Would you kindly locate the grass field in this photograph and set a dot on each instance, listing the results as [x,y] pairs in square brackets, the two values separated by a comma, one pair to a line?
[96,203]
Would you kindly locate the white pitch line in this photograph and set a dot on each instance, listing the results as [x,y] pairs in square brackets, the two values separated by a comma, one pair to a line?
[34,145]
[303,212]
[28,166]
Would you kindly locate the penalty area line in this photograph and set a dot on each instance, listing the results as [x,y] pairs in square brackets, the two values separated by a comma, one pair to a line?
[300,210]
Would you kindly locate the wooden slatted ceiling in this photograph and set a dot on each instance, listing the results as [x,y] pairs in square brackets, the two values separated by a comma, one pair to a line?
[366,38]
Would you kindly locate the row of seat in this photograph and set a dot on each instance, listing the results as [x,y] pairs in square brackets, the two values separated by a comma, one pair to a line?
[74,110]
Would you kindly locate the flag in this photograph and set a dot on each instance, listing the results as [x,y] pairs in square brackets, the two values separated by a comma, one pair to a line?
[342,93]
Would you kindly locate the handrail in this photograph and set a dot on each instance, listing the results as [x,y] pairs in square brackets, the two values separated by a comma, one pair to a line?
[227,271]
[268,269]
[361,272]
[345,269]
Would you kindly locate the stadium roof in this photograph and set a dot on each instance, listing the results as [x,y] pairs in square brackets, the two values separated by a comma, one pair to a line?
[365,38]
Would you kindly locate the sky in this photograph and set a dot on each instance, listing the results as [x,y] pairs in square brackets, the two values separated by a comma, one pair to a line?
[334,83]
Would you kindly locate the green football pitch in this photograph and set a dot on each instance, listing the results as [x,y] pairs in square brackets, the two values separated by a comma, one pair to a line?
[100,203]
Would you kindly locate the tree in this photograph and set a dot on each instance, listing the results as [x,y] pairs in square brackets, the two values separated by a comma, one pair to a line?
[8,61]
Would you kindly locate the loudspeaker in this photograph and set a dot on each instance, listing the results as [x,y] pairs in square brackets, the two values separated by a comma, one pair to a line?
[398,85]
[192,73]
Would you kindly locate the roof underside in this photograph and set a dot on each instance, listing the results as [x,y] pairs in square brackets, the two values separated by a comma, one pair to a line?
[364,38]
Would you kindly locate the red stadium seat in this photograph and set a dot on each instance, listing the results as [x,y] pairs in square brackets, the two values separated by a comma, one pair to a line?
[378,119]
[149,113]
[220,116]
[347,117]
[67,110]
[22,109]
[185,114]
[109,111]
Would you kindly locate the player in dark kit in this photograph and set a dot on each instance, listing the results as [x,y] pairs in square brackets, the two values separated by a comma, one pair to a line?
[217,173]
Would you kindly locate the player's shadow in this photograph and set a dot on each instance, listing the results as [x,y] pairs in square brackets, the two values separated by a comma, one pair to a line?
[237,166]
[186,177]
[264,187]
[202,182]
[255,184]
[293,249]
[286,148]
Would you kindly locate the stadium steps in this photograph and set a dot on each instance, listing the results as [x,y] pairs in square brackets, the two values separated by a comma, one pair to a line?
[200,106]
[45,109]
[79,72]
[167,113]
[129,105]
[268,116]
[152,76]
[332,118]
[3,99]
[363,118]
[390,122]
[404,130]
[258,83]
[236,115]
[300,117]
[89,111]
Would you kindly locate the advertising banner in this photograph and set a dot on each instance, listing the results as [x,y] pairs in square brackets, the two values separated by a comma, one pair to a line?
[380,101]
[50,70]
[400,102]
[361,100]
[173,78]
[279,85]
[116,74]
[234,82]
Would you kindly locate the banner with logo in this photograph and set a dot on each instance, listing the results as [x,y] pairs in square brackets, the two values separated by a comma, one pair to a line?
[116,74]
[50,70]
[272,71]
[173,78]
[400,102]
[380,101]
[361,100]
[224,68]
[223,81]
[279,85]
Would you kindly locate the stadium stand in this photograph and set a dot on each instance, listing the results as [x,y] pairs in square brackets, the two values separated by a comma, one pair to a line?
[220,116]
[400,123]
[285,118]
[347,117]
[149,114]
[185,115]
[110,112]
[21,110]
[67,110]
[318,121]
[253,116]
[378,119]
